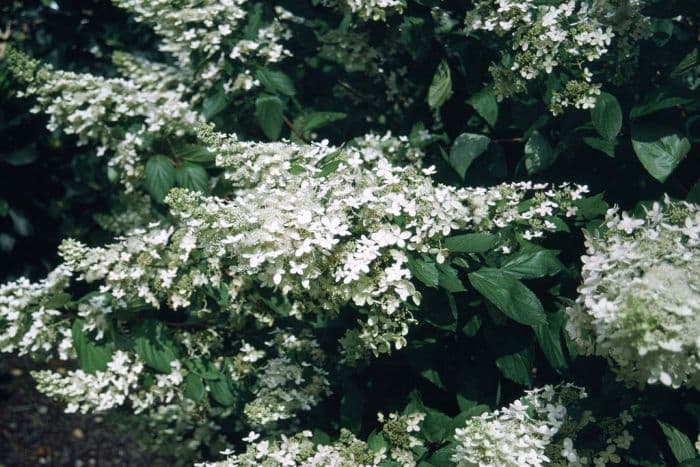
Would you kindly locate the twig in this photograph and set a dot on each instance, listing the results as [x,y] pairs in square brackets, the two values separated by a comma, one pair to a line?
[294,129]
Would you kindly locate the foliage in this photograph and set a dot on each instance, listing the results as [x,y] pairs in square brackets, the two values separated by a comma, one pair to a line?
[281,218]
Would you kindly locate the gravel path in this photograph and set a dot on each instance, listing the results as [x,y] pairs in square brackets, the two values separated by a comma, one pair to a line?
[35,431]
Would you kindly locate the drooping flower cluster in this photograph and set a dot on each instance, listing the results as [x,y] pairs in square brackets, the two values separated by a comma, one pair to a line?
[214,30]
[324,227]
[97,109]
[541,428]
[639,304]
[571,36]
[30,320]
[85,392]
[348,451]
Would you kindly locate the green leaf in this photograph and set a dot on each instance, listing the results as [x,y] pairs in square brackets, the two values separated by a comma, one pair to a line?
[376,441]
[448,278]
[607,116]
[533,262]
[435,425]
[222,392]
[689,62]
[472,327]
[466,148]
[591,207]
[194,387]
[276,81]
[517,366]
[539,154]
[509,295]
[680,444]
[441,88]
[214,104]
[268,110]
[549,339]
[434,377]
[601,144]
[485,105]
[194,153]
[22,156]
[154,345]
[424,271]
[660,149]
[92,357]
[352,406]
[20,223]
[160,176]
[471,243]
[315,120]
[659,100]
[694,193]
[193,177]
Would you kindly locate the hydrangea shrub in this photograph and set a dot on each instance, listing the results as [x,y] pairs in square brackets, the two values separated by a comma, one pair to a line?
[371,232]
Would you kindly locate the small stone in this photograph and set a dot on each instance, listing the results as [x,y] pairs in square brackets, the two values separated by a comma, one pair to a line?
[78,434]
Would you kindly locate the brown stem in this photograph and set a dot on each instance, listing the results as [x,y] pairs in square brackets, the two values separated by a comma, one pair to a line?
[294,129]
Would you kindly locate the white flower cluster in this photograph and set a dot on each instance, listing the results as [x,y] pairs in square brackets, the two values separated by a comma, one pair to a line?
[367,10]
[287,384]
[639,303]
[324,227]
[97,109]
[540,429]
[85,392]
[213,29]
[572,36]
[376,10]
[30,320]
[516,435]
[347,451]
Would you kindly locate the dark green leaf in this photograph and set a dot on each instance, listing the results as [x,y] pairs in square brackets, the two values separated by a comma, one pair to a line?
[435,425]
[689,62]
[193,177]
[425,271]
[20,223]
[485,105]
[152,342]
[660,100]
[533,262]
[352,406]
[318,120]
[472,327]
[660,149]
[448,278]
[268,110]
[160,176]
[222,392]
[680,444]
[441,88]
[22,156]
[194,387]
[539,154]
[276,82]
[214,104]
[92,356]
[194,153]
[466,148]
[471,243]
[509,295]
[607,116]
[549,339]
[602,145]
[433,376]
[517,366]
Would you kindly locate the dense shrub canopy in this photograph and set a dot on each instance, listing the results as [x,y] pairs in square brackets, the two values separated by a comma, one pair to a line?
[359,232]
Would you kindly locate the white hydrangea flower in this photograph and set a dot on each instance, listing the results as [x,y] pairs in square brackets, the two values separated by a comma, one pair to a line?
[639,304]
